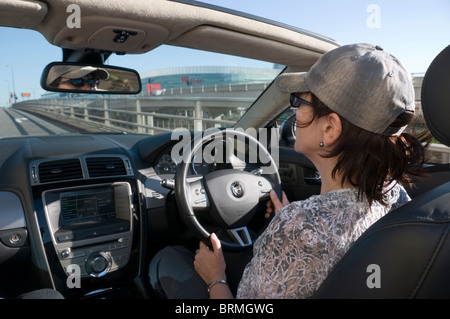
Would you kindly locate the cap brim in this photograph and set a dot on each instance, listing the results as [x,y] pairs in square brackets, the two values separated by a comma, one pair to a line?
[102,74]
[292,82]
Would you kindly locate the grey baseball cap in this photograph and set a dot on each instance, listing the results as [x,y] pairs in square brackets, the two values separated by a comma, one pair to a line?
[364,84]
[75,72]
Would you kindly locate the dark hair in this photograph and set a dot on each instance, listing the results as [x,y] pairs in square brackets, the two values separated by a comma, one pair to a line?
[371,161]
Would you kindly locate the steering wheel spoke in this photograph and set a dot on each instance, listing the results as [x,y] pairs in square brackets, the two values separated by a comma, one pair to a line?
[240,236]
[197,193]
[264,187]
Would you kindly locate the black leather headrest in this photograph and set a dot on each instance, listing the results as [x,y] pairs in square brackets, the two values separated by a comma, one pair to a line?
[407,253]
[435,97]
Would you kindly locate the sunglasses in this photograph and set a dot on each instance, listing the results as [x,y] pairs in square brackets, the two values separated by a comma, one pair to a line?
[295,100]
[92,82]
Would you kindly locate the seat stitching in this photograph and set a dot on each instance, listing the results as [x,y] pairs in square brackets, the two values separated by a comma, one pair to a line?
[431,261]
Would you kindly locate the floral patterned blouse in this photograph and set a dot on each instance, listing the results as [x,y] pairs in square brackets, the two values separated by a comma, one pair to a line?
[306,239]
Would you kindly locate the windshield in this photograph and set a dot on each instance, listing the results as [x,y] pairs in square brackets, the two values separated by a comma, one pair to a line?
[181,88]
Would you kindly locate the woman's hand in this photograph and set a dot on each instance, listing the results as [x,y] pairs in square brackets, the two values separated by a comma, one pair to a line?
[274,204]
[210,264]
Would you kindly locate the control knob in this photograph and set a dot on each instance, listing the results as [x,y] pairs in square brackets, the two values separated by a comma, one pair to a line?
[98,264]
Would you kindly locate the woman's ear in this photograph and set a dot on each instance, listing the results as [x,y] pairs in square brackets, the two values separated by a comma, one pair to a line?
[332,129]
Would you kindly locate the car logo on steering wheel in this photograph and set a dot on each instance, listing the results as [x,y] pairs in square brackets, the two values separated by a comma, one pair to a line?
[237,189]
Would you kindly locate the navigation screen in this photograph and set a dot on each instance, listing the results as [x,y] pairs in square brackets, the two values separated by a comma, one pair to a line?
[85,206]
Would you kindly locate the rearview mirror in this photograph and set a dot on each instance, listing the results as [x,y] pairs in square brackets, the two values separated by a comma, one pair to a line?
[89,78]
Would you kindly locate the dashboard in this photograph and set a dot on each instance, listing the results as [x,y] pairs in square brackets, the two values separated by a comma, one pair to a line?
[85,213]
[76,215]
[165,165]
[212,156]
[91,227]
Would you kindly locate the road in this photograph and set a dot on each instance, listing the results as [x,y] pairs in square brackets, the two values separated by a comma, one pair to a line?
[19,123]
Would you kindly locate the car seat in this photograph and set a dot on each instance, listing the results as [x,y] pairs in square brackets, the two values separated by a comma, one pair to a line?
[405,254]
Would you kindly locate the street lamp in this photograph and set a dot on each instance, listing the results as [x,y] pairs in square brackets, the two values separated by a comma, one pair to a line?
[9,91]
[14,88]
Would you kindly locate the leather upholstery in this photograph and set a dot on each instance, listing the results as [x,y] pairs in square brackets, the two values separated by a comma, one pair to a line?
[411,247]
[435,97]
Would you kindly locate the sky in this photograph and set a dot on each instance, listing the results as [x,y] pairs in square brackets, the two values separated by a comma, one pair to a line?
[414,31]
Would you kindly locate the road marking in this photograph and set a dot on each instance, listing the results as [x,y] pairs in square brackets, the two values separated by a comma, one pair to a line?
[20,120]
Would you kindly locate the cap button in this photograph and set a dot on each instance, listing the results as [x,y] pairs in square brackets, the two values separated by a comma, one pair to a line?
[379,48]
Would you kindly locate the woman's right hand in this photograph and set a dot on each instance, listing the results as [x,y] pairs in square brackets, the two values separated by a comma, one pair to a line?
[274,204]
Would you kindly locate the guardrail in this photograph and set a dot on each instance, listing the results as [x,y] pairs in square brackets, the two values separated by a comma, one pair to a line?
[158,114]
[143,115]
[439,153]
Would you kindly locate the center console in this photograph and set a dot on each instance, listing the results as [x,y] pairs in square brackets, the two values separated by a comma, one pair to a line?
[91,226]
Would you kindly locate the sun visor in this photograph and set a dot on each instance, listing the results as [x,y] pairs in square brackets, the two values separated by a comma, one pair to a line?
[22,14]
[226,41]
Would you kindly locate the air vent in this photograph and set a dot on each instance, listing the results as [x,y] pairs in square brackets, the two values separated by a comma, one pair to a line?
[60,170]
[105,166]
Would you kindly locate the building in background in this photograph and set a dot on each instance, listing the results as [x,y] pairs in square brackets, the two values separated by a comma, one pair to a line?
[207,80]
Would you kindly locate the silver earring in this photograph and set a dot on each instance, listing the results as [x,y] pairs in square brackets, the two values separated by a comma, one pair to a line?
[321,144]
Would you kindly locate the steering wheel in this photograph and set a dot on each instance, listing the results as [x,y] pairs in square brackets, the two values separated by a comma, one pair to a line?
[228,198]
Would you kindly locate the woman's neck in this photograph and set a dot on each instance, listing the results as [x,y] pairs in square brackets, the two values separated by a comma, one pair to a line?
[330,182]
